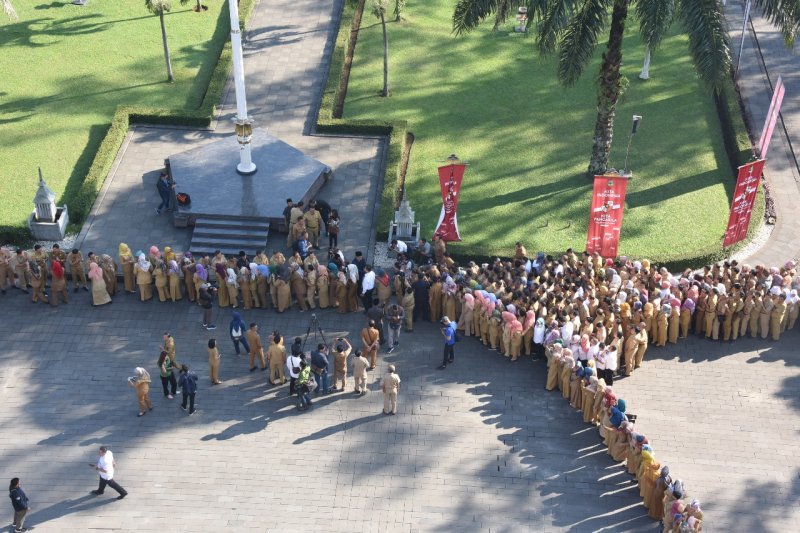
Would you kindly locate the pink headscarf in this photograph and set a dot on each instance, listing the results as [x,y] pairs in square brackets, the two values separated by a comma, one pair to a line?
[530,319]
[469,301]
[154,252]
[508,317]
[515,326]
[585,342]
[95,272]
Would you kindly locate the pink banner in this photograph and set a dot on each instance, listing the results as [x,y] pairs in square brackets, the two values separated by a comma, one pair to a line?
[772,118]
[605,217]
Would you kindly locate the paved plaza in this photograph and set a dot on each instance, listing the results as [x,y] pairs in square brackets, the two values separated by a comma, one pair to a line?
[480,446]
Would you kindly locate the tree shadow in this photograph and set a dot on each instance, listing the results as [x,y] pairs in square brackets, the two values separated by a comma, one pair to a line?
[26,32]
[337,428]
[89,503]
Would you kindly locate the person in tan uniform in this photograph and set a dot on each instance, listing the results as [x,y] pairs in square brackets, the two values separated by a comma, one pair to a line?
[311,286]
[746,313]
[641,339]
[370,336]
[144,279]
[109,267]
[439,248]
[39,257]
[245,280]
[323,286]
[360,365]
[710,313]
[141,382]
[6,272]
[733,317]
[58,285]
[127,261]
[390,385]
[276,355]
[758,304]
[169,347]
[37,283]
[76,270]
[776,316]
[57,254]
[313,224]
[256,348]
[340,355]
[213,362]
[22,269]
[175,277]
[764,315]
[408,308]
[160,275]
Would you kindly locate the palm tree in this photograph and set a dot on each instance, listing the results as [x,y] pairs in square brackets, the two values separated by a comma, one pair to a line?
[573,27]
[379,10]
[159,7]
[399,5]
[785,14]
[9,9]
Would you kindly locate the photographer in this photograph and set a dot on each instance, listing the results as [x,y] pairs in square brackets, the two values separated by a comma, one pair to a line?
[206,297]
[340,355]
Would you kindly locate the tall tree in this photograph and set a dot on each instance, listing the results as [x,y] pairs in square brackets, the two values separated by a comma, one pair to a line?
[379,10]
[785,14]
[160,7]
[572,28]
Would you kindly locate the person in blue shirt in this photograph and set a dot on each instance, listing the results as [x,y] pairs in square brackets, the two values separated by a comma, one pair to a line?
[20,502]
[164,191]
[238,329]
[303,246]
[449,333]
[188,382]
[319,366]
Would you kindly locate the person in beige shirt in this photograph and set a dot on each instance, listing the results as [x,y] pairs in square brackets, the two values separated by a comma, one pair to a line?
[360,365]
[141,382]
[390,385]
[313,224]
[276,355]
[340,355]
[254,340]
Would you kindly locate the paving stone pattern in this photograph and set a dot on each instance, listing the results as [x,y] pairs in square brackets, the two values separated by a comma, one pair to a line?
[287,55]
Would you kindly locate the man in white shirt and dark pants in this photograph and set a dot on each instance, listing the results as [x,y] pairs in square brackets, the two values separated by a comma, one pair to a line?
[105,467]
[367,286]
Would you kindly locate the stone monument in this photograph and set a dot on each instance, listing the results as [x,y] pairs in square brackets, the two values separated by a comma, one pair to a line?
[47,222]
[403,228]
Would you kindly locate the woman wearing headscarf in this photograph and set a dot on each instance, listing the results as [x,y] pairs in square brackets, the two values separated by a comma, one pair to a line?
[161,281]
[323,291]
[188,270]
[334,297]
[99,293]
[199,278]
[232,286]
[169,255]
[352,288]
[175,276]
[554,357]
[565,371]
[516,338]
[262,285]
[213,362]
[127,261]
[58,283]
[298,283]
[252,276]
[687,310]
[619,451]
[650,474]
[109,267]
[575,385]
[155,255]
[144,278]
[435,299]
[222,276]
[466,320]
[662,324]
[527,330]
[141,382]
[655,505]
[282,290]
[674,322]
[245,284]
[508,317]
[587,396]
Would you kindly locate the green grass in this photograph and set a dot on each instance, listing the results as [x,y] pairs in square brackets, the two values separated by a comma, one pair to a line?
[65,69]
[489,98]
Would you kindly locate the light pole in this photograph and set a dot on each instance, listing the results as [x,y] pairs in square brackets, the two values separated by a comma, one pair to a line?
[634,127]
[244,124]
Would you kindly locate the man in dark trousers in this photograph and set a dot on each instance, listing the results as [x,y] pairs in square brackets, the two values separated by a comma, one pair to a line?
[376,313]
[105,467]
[20,502]
[319,366]
[422,306]
[449,334]
[164,191]
[188,383]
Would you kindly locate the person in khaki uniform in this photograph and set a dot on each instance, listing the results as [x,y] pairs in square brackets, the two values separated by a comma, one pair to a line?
[710,312]
[776,316]
[276,355]
[733,317]
[127,261]
[213,362]
[311,286]
[408,308]
[758,304]
[313,224]
[6,272]
[641,339]
[256,348]
[370,336]
[360,365]
[22,269]
[764,315]
[390,385]
[37,284]
[340,355]
[40,258]
[169,347]
[141,382]
[57,254]
[58,284]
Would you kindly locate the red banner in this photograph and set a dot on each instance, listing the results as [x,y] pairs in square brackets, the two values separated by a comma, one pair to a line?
[605,217]
[450,177]
[744,197]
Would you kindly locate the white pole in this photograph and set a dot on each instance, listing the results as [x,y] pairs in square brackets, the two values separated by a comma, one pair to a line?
[645,74]
[744,29]
[244,123]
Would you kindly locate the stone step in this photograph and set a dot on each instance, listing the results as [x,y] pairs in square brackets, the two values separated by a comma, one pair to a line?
[253,223]
[230,242]
[199,251]
[232,232]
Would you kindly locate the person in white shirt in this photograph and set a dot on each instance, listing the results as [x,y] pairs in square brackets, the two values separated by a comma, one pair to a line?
[293,366]
[105,467]
[367,286]
[399,246]
[612,359]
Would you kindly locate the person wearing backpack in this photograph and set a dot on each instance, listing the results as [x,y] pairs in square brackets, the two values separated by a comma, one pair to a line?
[303,386]
[188,381]
[20,503]
[238,329]
[293,368]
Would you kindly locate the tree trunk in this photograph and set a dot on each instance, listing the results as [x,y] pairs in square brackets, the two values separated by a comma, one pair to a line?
[166,48]
[385,91]
[608,90]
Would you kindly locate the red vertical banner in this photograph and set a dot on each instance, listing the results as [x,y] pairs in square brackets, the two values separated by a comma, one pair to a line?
[605,217]
[450,177]
[744,197]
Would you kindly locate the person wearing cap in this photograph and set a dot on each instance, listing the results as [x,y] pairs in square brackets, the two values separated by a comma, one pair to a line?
[390,385]
[449,333]
[313,223]
[370,337]
[22,269]
[340,353]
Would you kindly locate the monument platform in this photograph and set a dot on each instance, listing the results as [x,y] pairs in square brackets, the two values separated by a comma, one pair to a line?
[208,175]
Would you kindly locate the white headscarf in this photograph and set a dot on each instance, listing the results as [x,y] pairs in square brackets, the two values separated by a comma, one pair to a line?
[144,264]
[352,272]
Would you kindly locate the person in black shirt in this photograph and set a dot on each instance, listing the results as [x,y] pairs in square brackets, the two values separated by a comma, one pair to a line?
[319,366]
[422,307]
[20,502]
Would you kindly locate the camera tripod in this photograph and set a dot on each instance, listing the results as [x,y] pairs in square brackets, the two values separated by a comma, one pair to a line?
[313,324]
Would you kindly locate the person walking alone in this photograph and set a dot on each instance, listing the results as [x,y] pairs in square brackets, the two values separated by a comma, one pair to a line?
[19,500]
[238,329]
[390,385]
[206,301]
[360,365]
[141,382]
[188,383]
[213,362]
[449,333]
[105,468]
[394,316]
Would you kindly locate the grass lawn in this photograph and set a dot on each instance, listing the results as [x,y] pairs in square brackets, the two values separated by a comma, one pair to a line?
[64,70]
[489,98]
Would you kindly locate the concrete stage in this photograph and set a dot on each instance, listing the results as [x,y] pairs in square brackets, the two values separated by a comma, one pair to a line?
[208,175]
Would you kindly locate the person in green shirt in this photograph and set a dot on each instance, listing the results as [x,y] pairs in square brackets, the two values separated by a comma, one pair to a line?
[165,368]
[302,386]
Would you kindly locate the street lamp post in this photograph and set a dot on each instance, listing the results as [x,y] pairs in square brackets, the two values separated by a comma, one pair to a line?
[244,123]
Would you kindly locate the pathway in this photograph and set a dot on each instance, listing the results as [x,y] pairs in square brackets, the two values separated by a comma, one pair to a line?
[764,58]
[287,54]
